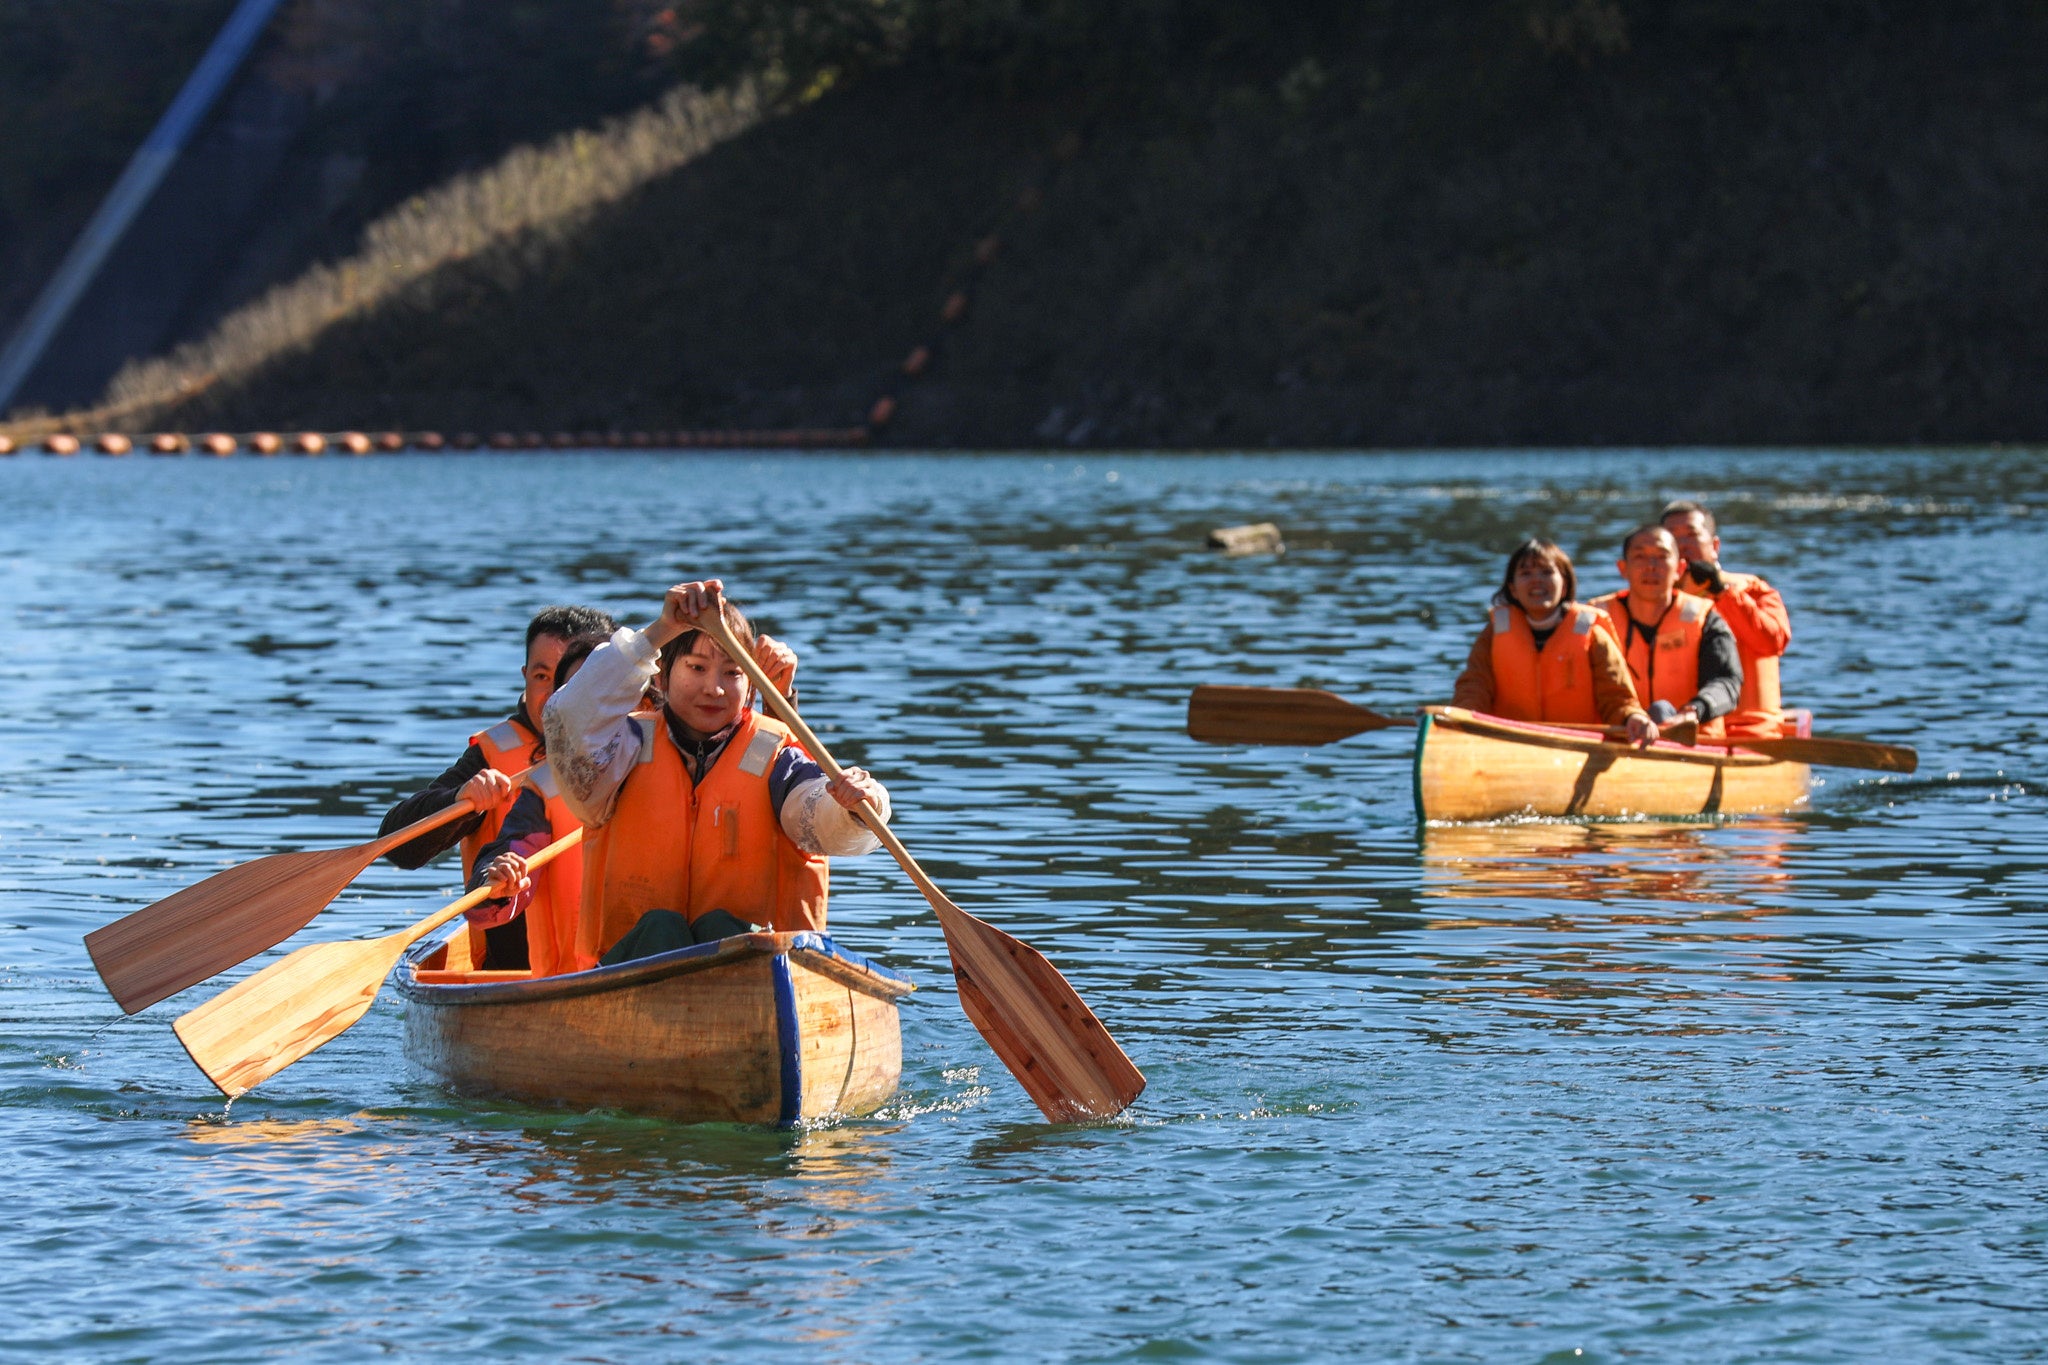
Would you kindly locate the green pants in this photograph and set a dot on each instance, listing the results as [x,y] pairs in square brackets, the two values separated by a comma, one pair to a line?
[663,931]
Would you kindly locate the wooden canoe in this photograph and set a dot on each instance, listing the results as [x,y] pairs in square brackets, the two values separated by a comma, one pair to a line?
[759,1028]
[1470,766]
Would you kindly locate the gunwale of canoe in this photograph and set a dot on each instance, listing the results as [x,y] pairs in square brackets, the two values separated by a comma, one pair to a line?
[771,1029]
[1470,766]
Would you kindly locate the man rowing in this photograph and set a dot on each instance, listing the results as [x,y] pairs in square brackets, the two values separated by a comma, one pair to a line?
[485,776]
[1681,655]
[1752,608]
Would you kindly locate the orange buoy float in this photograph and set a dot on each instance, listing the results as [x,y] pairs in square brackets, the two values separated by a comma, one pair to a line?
[266,443]
[217,443]
[430,440]
[6,445]
[955,309]
[880,414]
[917,362]
[113,443]
[639,440]
[390,442]
[60,443]
[561,440]
[309,443]
[466,440]
[354,442]
[169,443]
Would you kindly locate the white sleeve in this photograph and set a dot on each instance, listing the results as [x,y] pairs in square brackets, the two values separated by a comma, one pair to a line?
[818,824]
[592,741]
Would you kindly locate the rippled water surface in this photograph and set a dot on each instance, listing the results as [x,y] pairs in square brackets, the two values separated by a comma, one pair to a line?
[1765,1090]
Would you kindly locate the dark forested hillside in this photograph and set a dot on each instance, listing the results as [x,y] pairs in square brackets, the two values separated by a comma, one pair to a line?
[1512,222]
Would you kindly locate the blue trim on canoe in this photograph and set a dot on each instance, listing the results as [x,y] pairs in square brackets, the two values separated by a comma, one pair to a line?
[822,943]
[790,1041]
[1422,730]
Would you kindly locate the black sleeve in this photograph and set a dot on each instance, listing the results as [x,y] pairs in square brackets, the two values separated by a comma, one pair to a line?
[528,816]
[1720,669]
[439,794]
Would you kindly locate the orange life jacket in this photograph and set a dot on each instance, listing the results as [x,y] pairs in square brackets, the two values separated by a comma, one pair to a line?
[511,748]
[1760,711]
[552,912]
[1554,683]
[695,847]
[1667,669]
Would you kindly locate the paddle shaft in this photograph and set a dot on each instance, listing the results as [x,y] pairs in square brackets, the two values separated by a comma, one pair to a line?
[258,1027]
[1235,714]
[540,858]
[427,824]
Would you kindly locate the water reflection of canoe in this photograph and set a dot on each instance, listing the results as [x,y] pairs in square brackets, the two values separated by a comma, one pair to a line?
[1476,767]
[758,1028]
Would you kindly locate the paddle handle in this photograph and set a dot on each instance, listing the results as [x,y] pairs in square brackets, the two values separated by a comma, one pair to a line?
[714,626]
[406,937]
[429,823]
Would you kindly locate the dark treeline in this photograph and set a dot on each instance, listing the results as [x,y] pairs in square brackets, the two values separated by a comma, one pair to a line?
[1500,221]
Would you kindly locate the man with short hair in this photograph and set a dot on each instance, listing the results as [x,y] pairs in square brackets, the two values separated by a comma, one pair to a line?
[1681,654]
[485,772]
[1752,608]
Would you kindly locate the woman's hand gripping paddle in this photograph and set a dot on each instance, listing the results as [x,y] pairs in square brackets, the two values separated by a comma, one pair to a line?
[256,1028]
[1040,1027]
[1300,716]
[230,917]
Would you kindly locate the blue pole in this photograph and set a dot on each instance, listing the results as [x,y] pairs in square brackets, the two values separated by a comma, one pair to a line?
[145,171]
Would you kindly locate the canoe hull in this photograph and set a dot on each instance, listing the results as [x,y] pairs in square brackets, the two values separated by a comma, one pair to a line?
[771,1029]
[1474,767]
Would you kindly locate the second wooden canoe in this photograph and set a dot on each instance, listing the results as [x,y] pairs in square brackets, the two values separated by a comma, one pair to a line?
[771,1029]
[1470,766]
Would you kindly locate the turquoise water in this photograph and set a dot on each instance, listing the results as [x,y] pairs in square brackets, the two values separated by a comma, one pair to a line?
[1769,1090]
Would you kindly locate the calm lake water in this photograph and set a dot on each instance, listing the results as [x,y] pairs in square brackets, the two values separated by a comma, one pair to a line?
[1770,1090]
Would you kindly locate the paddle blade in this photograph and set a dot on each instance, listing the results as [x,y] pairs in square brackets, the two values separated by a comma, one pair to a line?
[1277,715]
[227,919]
[1837,753]
[258,1027]
[1036,1023]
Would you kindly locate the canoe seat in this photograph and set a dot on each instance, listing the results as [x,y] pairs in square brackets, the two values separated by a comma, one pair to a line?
[441,977]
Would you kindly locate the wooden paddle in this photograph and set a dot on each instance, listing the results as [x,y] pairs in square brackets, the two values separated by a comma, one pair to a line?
[1222,714]
[230,917]
[1306,716]
[258,1027]
[1833,751]
[1037,1023]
